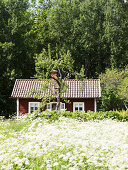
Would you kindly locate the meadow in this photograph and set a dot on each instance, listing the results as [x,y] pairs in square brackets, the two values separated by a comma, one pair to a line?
[63,144]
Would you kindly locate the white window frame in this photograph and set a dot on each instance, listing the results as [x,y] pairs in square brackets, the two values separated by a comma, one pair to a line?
[29,107]
[78,103]
[49,106]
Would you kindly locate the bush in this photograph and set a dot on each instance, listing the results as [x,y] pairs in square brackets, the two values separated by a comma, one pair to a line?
[83,116]
[124,115]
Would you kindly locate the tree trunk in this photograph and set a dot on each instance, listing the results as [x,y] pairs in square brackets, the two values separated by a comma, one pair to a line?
[58,100]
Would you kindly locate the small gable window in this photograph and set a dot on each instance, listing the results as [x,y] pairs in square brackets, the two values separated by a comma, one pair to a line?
[33,106]
[78,106]
[53,106]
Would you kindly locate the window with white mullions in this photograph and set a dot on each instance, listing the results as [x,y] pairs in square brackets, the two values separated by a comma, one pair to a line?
[53,106]
[33,106]
[78,106]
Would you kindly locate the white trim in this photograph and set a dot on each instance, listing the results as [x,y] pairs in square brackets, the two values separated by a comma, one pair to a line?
[95,106]
[99,89]
[17,109]
[78,104]
[29,111]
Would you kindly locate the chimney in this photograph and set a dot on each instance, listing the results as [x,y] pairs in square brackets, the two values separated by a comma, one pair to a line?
[54,74]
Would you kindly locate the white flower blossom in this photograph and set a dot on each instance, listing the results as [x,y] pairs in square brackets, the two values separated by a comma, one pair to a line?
[67,143]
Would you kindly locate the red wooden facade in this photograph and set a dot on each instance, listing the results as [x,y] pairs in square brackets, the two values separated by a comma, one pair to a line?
[89,104]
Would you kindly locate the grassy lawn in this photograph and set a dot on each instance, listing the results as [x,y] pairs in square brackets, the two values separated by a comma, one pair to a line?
[63,144]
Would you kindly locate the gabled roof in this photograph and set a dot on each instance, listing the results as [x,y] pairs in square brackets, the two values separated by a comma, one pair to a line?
[76,89]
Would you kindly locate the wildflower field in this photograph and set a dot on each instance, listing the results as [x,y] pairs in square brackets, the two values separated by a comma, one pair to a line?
[63,144]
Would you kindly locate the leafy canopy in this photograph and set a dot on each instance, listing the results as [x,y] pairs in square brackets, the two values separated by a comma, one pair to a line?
[114,84]
[45,63]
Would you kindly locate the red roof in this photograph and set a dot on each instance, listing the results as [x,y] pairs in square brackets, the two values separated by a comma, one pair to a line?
[29,88]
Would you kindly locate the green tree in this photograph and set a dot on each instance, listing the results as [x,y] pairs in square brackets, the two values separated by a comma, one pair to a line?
[45,63]
[95,32]
[39,35]
[114,89]
[123,91]
[15,50]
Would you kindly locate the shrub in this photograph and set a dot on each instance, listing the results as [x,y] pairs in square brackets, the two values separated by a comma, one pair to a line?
[124,114]
[83,116]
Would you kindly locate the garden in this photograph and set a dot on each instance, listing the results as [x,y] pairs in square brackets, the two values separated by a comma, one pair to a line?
[56,140]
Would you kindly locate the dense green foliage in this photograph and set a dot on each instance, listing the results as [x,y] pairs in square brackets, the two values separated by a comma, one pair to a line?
[16,56]
[82,116]
[114,83]
[94,32]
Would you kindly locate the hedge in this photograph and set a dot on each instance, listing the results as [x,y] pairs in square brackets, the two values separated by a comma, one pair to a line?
[83,116]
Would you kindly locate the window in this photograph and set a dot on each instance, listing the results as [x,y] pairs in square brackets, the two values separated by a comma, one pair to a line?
[62,106]
[78,106]
[53,105]
[48,106]
[33,106]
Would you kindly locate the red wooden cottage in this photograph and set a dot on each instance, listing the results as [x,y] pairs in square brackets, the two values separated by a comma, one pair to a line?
[80,99]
